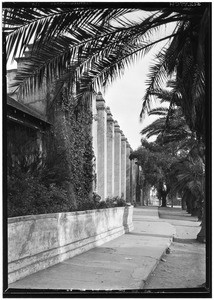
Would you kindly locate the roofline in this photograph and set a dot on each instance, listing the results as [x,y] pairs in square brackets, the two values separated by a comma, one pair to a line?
[27,111]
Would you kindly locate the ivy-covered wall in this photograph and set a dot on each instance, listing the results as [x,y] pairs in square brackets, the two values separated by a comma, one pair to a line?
[61,178]
[59,175]
[71,139]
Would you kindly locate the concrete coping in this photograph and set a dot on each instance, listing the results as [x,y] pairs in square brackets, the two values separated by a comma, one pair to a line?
[101,105]
[57,215]
[117,127]
[123,138]
[109,114]
[108,110]
[100,102]
[100,97]
[109,118]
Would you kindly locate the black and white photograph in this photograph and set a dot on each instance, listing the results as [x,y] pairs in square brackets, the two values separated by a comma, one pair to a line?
[106,149]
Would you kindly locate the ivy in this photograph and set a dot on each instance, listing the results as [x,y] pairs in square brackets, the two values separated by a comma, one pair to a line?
[72,139]
[63,180]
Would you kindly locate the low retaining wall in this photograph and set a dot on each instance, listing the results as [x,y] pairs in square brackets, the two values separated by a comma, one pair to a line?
[39,241]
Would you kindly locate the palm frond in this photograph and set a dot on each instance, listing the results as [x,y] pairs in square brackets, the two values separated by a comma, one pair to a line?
[159,111]
[24,25]
[83,42]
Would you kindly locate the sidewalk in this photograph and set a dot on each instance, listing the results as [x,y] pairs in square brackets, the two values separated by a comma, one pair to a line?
[121,264]
[185,267]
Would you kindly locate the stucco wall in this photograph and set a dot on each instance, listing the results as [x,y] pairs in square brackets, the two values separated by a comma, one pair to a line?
[37,242]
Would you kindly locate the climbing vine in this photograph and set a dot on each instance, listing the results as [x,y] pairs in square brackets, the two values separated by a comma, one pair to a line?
[72,141]
[60,178]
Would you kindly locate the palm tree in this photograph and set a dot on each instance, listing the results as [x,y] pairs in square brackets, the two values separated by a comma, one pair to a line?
[169,126]
[185,60]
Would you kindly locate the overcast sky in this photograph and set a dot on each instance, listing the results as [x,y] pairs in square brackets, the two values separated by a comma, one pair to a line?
[124,97]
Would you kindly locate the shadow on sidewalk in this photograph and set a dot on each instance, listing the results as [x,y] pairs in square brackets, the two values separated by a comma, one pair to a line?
[185,241]
[171,213]
[149,234]
[145,220]
[192,226]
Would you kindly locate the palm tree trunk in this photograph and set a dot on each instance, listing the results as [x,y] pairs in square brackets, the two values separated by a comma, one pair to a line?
[183,203]
[201,237]
[142,197]
[163,200]
[188,202]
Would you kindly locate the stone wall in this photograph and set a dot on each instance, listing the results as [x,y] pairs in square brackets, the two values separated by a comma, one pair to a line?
[37,242]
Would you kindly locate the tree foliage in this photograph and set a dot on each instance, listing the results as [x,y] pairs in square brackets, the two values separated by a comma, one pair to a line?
[156,161]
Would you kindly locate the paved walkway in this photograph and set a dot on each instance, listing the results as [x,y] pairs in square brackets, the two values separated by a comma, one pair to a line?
[121,264]
[185,266]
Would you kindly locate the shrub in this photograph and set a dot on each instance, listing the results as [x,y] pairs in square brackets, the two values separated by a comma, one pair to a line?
[96,203]
[120,201]
[102,204]
[27,195]
[112,202]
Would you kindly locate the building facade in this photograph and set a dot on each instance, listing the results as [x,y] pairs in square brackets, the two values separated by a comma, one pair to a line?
[114,173]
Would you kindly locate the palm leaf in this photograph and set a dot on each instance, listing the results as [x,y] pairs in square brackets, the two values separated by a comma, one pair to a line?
[30,18]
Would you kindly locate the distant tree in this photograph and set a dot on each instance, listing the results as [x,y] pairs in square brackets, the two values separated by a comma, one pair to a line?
[156,161]
[190,174]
